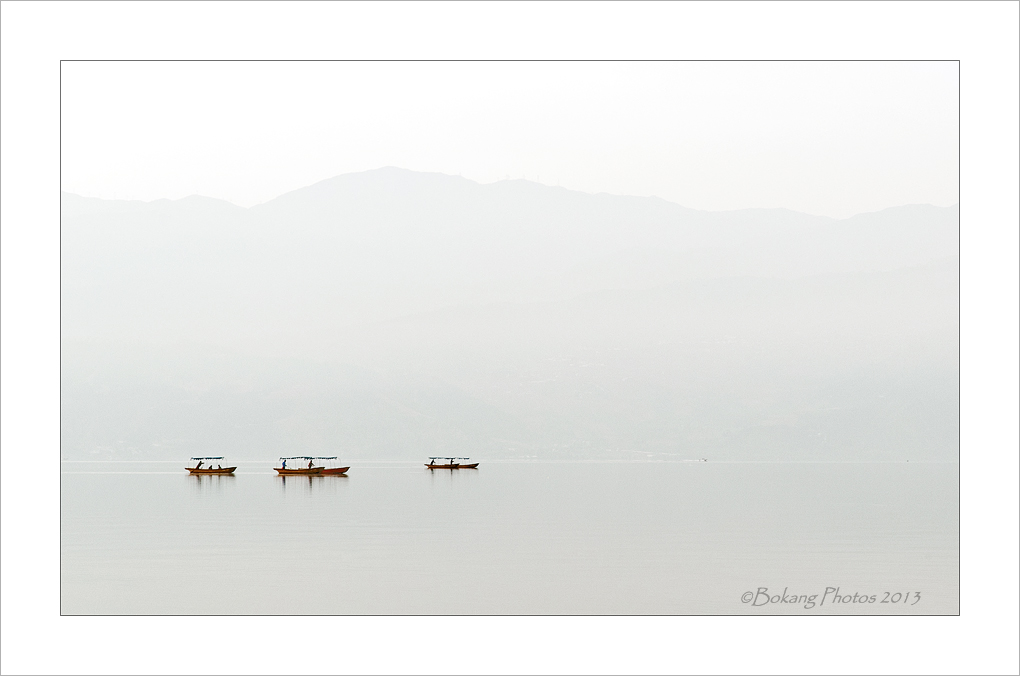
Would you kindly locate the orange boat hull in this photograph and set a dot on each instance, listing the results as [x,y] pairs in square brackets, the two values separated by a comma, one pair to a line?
[336,470]
[304,470]
[225,470]
[473,465]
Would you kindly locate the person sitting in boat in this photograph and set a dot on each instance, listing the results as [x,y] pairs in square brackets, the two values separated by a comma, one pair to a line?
[309,464]
[432,461]
[198,465]
[284,465]
[219,466]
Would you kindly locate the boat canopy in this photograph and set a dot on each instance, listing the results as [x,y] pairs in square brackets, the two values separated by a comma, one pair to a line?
[310,457]
[446,457]
[209,457]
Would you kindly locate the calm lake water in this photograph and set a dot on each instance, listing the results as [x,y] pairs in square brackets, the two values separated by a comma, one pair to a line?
[512,538]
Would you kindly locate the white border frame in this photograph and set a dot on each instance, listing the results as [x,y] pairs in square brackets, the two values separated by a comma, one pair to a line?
[982,35]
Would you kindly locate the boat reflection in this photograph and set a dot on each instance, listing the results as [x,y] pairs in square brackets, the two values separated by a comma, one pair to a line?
[206,482]
[449,476]
[301,479]
[309,481]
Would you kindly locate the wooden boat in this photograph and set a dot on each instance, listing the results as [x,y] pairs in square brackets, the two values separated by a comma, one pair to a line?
[219,469]
[283,470]
[334,471]
[311,469]
[432,464]
[304,470]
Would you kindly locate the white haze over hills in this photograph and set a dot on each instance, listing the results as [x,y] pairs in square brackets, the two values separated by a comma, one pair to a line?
[392,314]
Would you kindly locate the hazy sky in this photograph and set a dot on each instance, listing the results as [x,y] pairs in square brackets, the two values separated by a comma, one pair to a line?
[829,138]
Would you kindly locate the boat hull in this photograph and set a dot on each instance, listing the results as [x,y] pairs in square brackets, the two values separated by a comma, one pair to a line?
[473,465]
[336,470]
[225,470]
[303,470]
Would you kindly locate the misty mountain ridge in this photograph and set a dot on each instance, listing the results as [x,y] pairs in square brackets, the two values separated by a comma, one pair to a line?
[393,313]
[391,242]
[387,184]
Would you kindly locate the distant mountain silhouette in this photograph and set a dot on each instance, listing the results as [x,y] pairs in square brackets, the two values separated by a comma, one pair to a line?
[383,243]
[398,312]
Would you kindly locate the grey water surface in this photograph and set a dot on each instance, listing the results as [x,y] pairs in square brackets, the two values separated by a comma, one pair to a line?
[513,538]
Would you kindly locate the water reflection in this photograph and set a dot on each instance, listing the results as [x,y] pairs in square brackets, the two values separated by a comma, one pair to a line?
[448,476]
[524,538]
[308,483]
[201,483]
